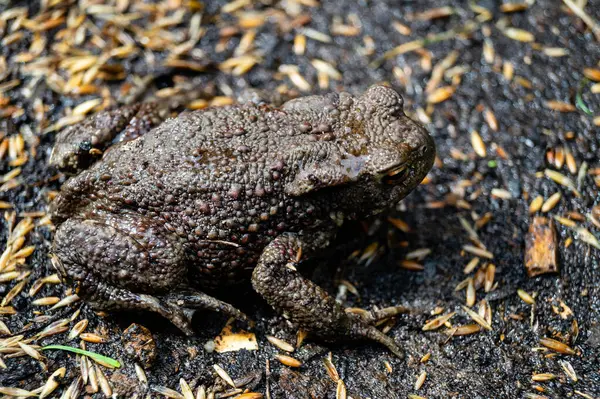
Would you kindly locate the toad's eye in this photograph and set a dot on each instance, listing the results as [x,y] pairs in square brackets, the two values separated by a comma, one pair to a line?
[396,175]
[85,146]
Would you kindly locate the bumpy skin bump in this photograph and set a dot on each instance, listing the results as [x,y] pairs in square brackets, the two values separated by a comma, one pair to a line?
[219,196]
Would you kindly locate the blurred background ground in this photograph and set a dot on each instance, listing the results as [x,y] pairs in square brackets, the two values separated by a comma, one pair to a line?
[508,91]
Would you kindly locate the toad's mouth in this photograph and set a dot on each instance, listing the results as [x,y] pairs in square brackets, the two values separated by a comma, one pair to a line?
[396,175]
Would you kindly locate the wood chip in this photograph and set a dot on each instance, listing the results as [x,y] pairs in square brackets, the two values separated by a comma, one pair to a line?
[229,341]
[541,254]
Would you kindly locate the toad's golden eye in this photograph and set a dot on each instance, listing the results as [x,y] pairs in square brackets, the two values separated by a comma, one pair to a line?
[396,174]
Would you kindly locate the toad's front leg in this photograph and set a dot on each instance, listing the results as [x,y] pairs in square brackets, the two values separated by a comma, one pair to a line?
[80,145]
[306,304]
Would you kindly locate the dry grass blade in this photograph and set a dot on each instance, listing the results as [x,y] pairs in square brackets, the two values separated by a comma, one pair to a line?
[288,361]
[562,180]
[551,202]
[168,392]
[331,370]
[16,290]
[536,204]
[93,338]
[557,346]
[78,328]
[326,68]
[249,395]
[185,389]
[501,193]
[19,393]
[141,374]
[411,265]
[46,301]
[438,71]
[9,276]
[586,236]
[555,51]
[437,322]
[420,380]
[441,94]
[542,377]
[87,106]
[490,274]
[560,106]
[281,344]
[513,7]
[491,120]
[66,301]
[471,265]
[568,369]
[400,224]
[52,382]
[30,351]
[223,374]
[464,330]
[477,318]
[528,299]
[420,253]
[478,251]
[585,17]
[471,295]
[403,48]
[4,330]
[340,392]
[519,34]
[478,144]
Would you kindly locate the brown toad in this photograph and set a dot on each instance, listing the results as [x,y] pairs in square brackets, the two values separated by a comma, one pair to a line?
[225,194]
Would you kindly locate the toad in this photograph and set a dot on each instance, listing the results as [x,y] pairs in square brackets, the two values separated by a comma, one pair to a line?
[162,210]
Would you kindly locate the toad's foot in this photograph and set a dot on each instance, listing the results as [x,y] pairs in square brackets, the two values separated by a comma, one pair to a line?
[191,299]
[103,296]
[306,304]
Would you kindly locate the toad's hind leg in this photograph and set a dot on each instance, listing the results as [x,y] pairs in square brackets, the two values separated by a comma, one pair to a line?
[120,263]
[304,303]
